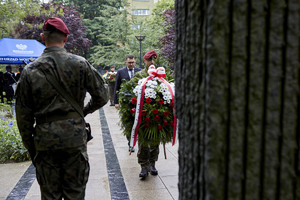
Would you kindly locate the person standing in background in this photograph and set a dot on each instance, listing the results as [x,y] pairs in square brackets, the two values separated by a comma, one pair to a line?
[1,87]
[19,73]
[149,59]
[111,80]
[9,79]
[125,74]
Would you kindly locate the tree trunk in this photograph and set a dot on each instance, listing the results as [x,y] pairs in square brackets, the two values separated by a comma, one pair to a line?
[237,99]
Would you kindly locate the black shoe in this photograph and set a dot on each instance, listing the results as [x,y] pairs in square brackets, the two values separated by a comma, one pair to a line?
[144,173]
[153,170]
[132,149]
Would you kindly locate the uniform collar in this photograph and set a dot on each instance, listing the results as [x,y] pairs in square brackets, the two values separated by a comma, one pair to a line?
[54,48]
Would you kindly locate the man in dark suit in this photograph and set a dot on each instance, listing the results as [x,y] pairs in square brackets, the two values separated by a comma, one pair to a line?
[125,74]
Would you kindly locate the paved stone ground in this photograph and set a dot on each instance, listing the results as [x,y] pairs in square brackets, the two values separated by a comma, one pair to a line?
[114,173]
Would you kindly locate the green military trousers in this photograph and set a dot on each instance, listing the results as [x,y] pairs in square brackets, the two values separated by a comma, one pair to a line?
[147,154]
[62,173]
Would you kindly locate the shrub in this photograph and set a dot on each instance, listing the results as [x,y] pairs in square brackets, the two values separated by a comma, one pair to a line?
[11,146]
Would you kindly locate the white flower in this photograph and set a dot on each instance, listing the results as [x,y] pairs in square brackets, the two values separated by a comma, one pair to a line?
[147,96]
[152,86]
[165,93]
[136,90]
[141,81]
[147,92]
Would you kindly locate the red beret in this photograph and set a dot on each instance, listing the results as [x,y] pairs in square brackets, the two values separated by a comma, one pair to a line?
[150,54]
[57,23]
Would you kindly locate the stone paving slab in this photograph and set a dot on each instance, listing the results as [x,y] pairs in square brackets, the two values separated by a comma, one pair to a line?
[161,187]
[10,174]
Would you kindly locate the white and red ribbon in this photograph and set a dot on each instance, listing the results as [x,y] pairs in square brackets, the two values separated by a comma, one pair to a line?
[160,73]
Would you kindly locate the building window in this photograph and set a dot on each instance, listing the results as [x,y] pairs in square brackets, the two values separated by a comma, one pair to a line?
[140,12]
[135,26]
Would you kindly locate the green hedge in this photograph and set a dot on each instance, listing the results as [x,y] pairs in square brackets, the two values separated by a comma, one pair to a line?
[11,146]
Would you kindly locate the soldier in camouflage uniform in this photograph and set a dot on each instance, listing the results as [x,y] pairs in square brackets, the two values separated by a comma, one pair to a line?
[148,154]
[52,131]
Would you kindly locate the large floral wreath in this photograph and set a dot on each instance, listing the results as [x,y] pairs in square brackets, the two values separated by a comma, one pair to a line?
[157,121]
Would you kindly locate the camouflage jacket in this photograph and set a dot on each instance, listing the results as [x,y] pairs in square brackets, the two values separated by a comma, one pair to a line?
[37,99]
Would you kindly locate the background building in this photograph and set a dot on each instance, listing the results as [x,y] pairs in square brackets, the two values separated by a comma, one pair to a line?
[139,10]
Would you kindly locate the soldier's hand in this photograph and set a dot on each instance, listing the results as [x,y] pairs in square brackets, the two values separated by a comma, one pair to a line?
[117,106]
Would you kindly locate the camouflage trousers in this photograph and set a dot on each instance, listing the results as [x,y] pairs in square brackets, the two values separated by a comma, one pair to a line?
[62,174]
[147,155]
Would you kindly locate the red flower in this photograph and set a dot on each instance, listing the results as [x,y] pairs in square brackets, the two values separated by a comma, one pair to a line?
[111,77]
[156,118]
[165,123]
[132,110]
[161,101]
[148,100]
[144,112]
[133,100]
[155,111]
[147,119]
[159,127]
[147,125]
[172,104]
[166,113]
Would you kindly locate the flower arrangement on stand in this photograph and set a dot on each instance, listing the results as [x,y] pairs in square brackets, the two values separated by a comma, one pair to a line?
[156,115]
[110,77]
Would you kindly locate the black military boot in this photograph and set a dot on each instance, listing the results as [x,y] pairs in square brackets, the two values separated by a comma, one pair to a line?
[144,173]
[153,170]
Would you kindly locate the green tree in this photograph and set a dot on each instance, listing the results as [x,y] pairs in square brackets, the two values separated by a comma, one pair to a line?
[107,28]
[110,32]
[32,26]
[11,13]
[161,6]
[153,28]
[88,8]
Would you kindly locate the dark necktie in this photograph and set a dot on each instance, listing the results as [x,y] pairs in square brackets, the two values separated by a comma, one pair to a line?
[131,73]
